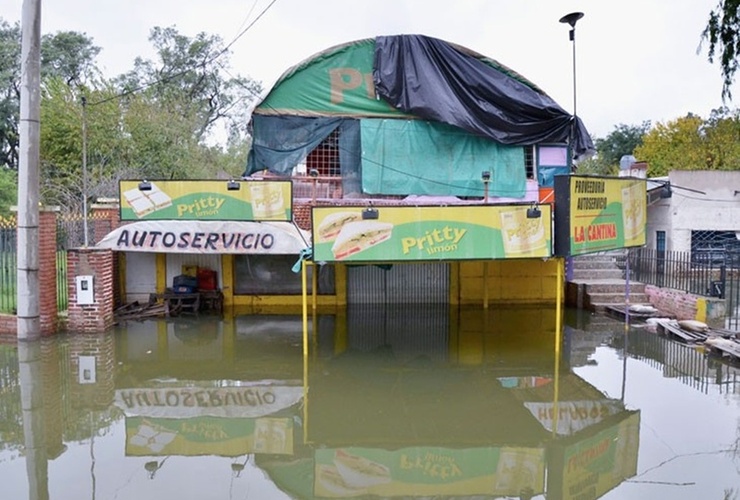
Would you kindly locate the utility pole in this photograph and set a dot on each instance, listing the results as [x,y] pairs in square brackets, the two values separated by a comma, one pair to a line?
[29,323]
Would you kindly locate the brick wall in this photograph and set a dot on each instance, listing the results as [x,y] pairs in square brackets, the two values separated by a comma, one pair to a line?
[96,317]
[678,303]
[99,394]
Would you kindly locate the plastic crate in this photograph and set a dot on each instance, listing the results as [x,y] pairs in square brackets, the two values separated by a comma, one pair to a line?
[207,280]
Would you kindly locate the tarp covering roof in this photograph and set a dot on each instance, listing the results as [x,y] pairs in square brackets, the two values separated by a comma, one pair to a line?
[430,78]
[404,76]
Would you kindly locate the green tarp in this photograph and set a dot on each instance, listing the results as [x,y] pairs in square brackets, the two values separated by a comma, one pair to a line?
[413,156]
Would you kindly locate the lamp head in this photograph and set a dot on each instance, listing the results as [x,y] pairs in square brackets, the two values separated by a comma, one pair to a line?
[370,213]
[485,176]
[571,18]
[313,172]
[233,185]
[534,212]
[145,185]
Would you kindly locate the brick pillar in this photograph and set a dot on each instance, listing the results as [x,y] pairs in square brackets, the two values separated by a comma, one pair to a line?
[105,218]
[96,393]
[98,316]
[48,308]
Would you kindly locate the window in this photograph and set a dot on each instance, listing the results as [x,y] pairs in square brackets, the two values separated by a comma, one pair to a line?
[273,275]
[325,158]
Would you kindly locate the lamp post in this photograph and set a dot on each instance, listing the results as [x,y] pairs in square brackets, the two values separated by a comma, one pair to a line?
[83,99]
[572,19]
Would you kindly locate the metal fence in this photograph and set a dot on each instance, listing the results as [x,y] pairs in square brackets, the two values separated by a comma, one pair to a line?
[69,235]
[715,274]
[8,265]
[677,270]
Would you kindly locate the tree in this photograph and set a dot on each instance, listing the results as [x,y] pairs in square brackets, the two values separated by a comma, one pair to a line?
[623,140]
[67,55]
[723,34]
[70,56]
[10,78]
[692,143]
[188,79]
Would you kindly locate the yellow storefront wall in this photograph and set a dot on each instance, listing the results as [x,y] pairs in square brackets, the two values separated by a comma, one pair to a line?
[265,303]
[512,281]
[519,281]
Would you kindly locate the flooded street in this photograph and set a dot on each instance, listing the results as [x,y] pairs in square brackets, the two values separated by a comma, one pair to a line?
[396,401]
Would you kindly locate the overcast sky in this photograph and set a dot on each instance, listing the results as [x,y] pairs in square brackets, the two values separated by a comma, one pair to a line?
[636,60]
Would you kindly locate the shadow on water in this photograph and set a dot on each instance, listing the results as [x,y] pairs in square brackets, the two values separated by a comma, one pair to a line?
[391,401]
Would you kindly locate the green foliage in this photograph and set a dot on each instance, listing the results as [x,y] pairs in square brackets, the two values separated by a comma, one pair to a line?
[623,140]
[157,121]
[68,55]
[8,190]
[189,80]
[723,34]
[692,143]
[10,71]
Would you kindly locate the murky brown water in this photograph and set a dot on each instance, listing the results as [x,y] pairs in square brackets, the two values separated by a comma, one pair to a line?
[390,402]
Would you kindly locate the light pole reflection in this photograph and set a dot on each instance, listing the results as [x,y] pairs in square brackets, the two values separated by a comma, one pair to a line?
[32,408]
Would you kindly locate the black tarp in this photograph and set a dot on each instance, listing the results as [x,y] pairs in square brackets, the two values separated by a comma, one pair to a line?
[432,79]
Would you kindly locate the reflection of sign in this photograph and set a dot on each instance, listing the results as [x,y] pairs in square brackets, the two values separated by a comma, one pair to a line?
[281,238]
[206,200]
[186,402]
[354,472]
[590,467]
[573,416]
[430,233]
[599,213]
[208,436]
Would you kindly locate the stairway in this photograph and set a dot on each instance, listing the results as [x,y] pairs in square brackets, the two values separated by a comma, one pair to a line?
[598,282]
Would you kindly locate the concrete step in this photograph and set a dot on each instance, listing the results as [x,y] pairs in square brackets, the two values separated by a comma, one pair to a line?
[614,288]
[599,301]
[597,273]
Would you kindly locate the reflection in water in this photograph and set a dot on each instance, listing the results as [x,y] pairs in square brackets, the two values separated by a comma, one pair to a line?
[391,402]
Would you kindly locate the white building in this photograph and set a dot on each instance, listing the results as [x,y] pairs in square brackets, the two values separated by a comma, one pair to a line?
[702,212]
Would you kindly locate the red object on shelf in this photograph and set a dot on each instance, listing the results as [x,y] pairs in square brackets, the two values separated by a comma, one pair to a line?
[207,279]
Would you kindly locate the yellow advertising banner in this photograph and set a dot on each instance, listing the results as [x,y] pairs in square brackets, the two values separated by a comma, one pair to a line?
[208,436]
[603,213]
[431,233]
[428,471]
[206,200]
[594,465]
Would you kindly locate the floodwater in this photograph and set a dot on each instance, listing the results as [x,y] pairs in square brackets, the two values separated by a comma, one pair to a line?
[389,402]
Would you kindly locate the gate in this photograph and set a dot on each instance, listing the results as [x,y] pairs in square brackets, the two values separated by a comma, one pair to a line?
[423,283]
[8,265]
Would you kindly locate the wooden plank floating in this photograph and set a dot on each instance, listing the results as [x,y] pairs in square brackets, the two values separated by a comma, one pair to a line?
[671,328]
[724,347]
[637,312]
[718,341]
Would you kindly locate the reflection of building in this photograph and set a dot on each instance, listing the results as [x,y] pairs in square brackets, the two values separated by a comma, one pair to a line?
[212,401]
[682,362]
[449,423]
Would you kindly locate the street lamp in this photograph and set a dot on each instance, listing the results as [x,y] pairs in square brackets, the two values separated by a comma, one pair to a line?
[572,19]
[83,99]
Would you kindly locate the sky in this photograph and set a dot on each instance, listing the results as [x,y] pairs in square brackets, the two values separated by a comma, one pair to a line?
[635,60]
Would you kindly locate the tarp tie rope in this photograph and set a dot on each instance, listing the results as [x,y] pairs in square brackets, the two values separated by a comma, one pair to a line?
[305,254]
